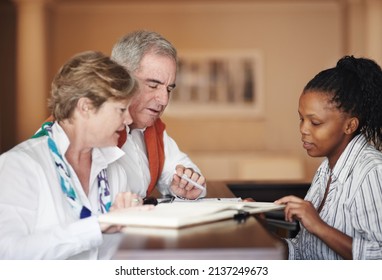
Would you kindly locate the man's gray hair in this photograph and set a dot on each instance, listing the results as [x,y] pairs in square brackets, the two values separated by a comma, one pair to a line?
[130,49]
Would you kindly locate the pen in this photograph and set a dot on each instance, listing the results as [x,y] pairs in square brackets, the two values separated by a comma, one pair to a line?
[197,185]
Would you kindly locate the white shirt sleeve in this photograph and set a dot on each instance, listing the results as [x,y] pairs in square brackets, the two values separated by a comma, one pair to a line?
[173,157]
[35,219]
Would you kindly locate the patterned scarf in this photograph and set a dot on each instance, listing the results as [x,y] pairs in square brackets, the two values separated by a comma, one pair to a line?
[64,175]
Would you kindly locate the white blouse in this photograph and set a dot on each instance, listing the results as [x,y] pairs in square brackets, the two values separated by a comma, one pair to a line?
[36,221]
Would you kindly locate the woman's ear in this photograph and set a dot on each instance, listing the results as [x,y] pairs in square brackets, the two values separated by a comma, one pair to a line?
[352,125]
[84,105]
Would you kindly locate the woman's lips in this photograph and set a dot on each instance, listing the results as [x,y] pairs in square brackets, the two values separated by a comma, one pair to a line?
[307,145]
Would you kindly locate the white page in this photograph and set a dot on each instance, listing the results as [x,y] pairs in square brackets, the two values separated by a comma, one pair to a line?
[177,215]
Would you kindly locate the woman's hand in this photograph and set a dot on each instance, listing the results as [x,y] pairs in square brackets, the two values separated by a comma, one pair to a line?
[124,200]
[302,210]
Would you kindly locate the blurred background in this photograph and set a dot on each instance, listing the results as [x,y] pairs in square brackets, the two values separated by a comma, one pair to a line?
[293,40]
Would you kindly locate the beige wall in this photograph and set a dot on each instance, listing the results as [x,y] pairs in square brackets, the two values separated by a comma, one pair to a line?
[296,39]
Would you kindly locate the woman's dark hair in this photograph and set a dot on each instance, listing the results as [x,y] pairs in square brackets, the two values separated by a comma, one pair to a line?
[356,88]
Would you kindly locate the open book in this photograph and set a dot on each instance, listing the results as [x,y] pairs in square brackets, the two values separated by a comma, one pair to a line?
[182,214]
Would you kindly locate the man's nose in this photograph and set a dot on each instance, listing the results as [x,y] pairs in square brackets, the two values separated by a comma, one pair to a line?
[162,96]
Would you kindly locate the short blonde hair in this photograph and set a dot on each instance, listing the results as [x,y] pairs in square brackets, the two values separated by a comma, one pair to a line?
[89,74]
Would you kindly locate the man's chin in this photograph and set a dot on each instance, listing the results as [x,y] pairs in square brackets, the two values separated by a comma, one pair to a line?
[144,124]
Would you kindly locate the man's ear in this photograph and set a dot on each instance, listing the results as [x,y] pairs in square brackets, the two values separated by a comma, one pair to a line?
[351,125]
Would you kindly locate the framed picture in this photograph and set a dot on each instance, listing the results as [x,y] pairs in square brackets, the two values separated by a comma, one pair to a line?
[218,83]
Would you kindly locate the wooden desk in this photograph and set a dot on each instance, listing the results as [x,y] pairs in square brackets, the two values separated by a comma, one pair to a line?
[228,239]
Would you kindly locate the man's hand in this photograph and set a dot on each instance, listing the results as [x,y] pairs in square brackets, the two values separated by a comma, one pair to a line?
[182,188]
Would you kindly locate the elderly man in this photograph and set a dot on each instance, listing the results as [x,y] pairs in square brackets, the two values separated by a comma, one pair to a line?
[152,158]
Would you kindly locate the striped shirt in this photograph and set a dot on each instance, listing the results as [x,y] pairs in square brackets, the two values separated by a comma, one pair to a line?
[353,204]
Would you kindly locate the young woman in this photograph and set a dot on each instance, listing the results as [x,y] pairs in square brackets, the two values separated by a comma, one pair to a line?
[341,119]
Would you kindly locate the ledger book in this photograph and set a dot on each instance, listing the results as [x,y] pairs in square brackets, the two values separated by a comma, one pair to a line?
[182,214]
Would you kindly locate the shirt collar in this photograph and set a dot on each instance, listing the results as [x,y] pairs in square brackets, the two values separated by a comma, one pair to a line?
[346,162]
[141,130]
[102,156]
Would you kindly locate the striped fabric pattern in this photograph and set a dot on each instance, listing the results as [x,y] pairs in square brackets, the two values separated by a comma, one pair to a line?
[353,204]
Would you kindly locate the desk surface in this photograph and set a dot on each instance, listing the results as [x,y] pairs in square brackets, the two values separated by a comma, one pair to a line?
[228,239]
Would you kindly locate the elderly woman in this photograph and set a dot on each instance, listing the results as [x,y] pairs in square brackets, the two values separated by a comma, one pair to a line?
[54,185]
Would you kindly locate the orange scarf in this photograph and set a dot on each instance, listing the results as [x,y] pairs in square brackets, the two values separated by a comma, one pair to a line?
[155,150]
